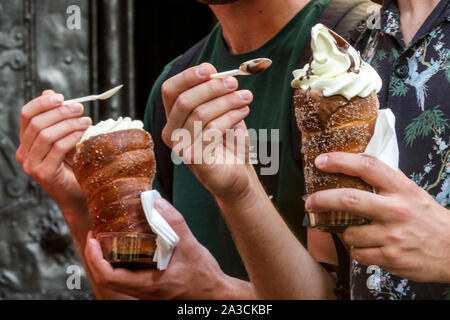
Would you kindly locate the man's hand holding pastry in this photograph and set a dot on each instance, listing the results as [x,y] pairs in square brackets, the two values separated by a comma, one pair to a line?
[193,273]
[406,222]
[192,99]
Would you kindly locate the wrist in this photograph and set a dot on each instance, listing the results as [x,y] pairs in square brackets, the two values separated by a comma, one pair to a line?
[74,214]
[246,196]
[77,220]
[235,289]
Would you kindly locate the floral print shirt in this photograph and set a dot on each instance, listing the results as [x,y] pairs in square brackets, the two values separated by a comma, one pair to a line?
[416,88]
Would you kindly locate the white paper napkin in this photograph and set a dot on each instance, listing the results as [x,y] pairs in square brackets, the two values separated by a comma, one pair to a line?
[166,239]
[383,145]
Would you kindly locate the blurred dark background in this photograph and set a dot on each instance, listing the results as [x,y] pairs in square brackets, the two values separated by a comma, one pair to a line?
[163,31]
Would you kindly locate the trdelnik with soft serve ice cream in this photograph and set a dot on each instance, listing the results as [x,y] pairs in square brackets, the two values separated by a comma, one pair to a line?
[336,108]
[336,68]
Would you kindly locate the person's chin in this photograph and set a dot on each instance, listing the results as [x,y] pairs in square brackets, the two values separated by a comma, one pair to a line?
[217,1]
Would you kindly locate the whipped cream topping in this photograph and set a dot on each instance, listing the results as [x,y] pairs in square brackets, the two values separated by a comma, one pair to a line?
[111,125]
[336,68]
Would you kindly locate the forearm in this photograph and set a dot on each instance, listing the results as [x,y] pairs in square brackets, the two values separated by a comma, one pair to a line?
[278,264]
[77,219]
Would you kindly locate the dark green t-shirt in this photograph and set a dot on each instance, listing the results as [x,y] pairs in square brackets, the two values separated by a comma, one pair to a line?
[271,109]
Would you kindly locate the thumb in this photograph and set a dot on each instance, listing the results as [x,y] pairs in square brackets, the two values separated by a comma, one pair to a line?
[173,218]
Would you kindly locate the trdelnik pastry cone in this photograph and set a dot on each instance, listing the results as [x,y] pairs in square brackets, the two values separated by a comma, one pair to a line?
[336,107]
[114,163]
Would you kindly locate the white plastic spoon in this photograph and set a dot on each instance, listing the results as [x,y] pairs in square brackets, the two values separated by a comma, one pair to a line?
[247,68]
[106,95]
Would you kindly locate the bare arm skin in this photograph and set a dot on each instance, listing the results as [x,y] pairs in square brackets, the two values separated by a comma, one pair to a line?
[278,265]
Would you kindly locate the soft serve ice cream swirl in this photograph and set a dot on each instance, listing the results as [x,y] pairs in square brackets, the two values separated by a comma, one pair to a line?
[336,68]
[111,125]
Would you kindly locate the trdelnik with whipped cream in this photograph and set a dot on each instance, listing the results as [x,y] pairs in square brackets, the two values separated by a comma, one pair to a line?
[166,238]
[336,68]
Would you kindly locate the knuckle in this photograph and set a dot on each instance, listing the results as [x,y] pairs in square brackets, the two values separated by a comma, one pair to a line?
[390,254]
[368,164]
[176,221]
[71,125]
[165,88]
[63,112]
[40,175]
[427,204]
[199,114]
[211,126]
[397,235]
[231,101]
[215,86]
[59,146]
[25,114]
[44,136]
[230,117]
[403,212]
[67,126]
[350,198]
[28,168]
[183,103]
[34,125]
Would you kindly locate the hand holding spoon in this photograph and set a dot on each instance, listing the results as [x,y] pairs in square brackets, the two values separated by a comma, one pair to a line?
[247,68]
[105,95]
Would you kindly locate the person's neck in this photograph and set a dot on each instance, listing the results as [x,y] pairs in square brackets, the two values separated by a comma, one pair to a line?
[247,25]
[413,14]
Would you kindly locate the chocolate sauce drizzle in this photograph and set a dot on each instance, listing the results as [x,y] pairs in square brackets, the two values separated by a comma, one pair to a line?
[343,46]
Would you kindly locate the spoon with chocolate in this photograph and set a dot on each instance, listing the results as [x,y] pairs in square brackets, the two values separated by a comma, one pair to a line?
[247,68]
